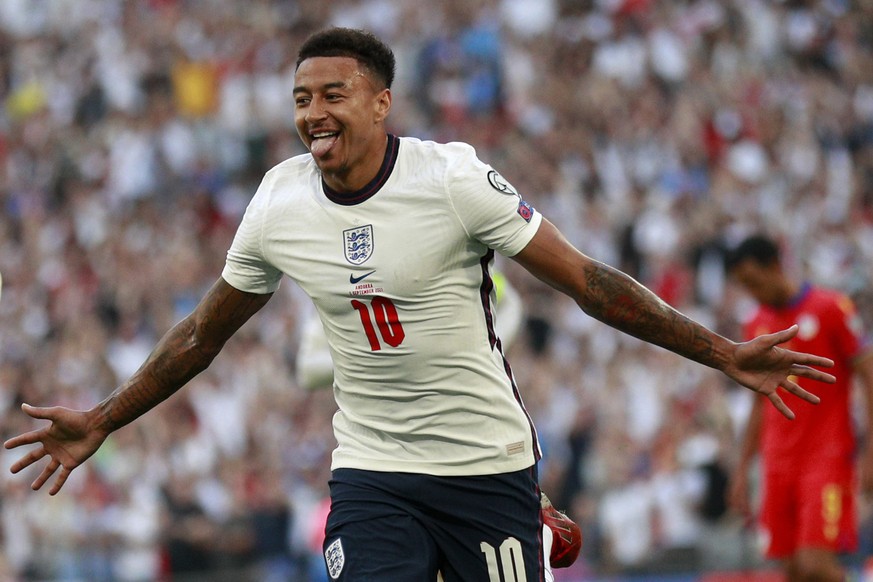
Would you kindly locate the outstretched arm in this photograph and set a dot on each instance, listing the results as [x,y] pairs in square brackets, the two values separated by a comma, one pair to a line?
[621,302]
[184,351]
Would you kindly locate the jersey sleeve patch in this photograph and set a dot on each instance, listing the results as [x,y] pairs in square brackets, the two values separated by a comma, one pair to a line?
[525,210]
[500,183]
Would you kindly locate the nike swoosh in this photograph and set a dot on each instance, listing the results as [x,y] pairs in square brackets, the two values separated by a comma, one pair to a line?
[353,279]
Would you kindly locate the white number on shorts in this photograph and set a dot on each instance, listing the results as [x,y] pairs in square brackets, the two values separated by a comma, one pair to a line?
[511,557]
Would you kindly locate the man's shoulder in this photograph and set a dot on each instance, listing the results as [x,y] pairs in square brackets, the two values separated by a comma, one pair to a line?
[826,298]
[445,164]
[296,174]
[825,293]
[285,183]
[434,150]
[295,166]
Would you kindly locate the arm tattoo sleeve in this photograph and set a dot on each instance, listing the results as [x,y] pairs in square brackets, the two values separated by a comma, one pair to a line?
[621,302]
[184,351]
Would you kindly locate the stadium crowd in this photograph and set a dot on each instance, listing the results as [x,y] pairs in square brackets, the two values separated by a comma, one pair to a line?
[655,134]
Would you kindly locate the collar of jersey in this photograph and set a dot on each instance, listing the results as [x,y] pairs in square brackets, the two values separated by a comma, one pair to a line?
[801,294]
[373,186]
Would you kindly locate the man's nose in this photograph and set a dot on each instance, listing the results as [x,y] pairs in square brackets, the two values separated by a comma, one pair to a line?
[315,110]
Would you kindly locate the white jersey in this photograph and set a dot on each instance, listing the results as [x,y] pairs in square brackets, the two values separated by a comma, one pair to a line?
[400,274]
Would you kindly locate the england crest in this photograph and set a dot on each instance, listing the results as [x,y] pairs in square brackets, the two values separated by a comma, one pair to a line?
[335,558]
[358,244]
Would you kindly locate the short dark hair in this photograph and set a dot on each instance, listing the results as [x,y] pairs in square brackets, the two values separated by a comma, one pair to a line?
[361,45]
[758,248]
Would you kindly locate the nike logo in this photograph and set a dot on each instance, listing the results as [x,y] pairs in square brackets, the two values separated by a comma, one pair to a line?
[353,279]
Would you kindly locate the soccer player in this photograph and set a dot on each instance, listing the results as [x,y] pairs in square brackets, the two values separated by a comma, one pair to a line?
[808,510]
[393,238]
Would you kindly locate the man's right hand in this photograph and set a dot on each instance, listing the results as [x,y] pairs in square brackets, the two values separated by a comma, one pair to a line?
[67,441]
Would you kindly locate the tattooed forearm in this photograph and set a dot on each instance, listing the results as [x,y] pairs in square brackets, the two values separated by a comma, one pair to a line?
[174,361]
[184,351]
[618,300]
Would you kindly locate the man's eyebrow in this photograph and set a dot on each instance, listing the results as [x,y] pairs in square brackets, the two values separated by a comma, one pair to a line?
[332,85]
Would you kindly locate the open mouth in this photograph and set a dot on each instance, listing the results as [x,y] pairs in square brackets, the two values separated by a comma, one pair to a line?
[322,142]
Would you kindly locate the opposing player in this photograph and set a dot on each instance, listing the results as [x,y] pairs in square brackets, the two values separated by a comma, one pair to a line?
[808,511]
[393,239]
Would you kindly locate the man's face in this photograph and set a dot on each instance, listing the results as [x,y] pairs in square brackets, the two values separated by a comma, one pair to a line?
[762,282]
[339,115]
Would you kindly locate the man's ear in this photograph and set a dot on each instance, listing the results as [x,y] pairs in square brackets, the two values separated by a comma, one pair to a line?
[383,105]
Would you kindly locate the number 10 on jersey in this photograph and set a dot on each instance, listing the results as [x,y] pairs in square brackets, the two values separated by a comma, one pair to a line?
[384,313]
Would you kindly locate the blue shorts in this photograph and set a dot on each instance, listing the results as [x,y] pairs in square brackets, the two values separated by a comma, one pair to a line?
[403,527]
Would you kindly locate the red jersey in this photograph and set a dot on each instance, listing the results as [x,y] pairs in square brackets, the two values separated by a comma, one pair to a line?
[830,327]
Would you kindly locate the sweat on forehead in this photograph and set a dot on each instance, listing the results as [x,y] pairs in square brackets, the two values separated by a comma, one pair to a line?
[312,74]
[361,70]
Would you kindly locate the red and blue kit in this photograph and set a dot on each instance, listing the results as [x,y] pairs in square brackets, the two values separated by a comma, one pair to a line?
[808,462]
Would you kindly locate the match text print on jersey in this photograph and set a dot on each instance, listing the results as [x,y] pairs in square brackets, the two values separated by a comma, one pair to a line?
[510,561]
[387,322]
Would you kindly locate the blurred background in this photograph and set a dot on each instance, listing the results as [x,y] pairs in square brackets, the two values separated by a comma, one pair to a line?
[654,133]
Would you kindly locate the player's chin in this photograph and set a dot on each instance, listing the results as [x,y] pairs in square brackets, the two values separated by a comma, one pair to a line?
[324,162]
[331,165]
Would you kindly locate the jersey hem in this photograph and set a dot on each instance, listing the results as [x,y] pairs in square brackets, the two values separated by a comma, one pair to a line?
[438,470]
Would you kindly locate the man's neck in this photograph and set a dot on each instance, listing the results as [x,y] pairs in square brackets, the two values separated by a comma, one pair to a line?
[357,175]
[789,292]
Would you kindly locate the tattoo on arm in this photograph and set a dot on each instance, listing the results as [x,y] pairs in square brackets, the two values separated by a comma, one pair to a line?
[184,351]
[621,302]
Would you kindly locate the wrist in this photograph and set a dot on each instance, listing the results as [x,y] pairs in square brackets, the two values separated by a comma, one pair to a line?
[723,355]
[100,419]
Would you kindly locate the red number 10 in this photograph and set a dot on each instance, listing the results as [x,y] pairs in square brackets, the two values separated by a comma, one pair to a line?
[387,321]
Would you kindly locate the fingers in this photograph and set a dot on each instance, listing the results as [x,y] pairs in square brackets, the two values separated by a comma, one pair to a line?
[782,336]
[798,357]
[805,360]
[781,406]
[39,412]
[46,473]
[27,438]
[34,436]
[59,482]
[813,374]
[795,389]
[28,459]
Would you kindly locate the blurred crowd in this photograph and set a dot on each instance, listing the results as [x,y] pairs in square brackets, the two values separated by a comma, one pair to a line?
[655,134]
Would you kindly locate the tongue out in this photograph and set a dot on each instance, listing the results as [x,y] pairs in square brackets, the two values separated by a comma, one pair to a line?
[321,145]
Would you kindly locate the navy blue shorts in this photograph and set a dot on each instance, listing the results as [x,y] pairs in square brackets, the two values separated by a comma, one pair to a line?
[402,527]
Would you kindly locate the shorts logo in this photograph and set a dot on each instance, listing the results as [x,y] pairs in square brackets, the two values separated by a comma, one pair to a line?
[358,244]
[335,558]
